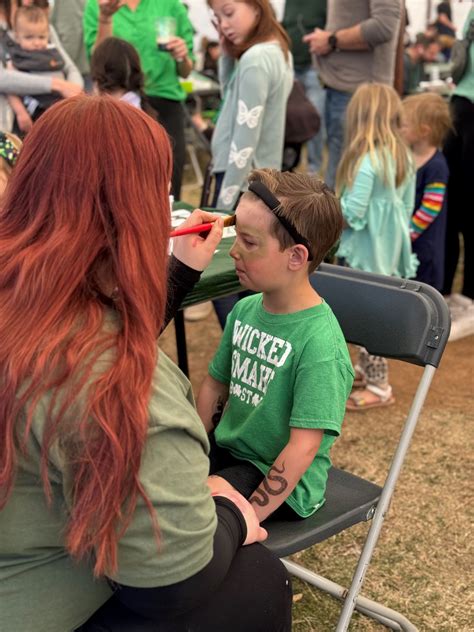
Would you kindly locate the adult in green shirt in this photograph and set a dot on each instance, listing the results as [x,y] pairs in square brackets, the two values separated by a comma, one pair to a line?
[106,520]
[134,21]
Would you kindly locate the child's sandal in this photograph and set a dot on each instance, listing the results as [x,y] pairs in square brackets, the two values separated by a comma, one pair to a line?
[358,402]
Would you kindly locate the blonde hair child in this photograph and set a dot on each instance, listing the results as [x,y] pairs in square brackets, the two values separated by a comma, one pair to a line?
[426,123]
[10,146]
[376,184]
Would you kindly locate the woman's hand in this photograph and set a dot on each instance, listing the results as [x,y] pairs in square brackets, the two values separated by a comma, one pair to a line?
[65,88]
[107,8]
[177,48]
[255,533]
[223,41]
[196,251]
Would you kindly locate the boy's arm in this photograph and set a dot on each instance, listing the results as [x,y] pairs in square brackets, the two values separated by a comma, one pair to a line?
[23,118]
[286,471]
[211,400]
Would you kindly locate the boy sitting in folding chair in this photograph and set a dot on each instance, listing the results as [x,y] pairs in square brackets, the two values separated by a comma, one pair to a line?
[277,387]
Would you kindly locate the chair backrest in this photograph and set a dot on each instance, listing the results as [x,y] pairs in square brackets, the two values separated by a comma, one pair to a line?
[389,316]
[393,318]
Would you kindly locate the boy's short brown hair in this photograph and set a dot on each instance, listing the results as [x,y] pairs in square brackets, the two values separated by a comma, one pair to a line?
[432,110]
[310,205]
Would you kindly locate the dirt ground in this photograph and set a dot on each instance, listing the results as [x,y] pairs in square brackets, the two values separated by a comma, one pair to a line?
[424,557]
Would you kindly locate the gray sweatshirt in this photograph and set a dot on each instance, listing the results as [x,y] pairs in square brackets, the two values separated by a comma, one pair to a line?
[22,83]
[380,23]
[66,17]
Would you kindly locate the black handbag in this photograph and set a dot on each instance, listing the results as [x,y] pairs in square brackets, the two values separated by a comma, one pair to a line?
[302,118]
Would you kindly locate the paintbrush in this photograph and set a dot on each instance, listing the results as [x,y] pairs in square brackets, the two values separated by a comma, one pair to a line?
[201,228]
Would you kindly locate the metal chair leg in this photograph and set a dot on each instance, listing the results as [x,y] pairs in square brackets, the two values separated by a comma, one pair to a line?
[390,618]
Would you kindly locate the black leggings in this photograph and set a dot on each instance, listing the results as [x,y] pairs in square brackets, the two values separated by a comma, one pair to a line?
[459,152]
[171,116]
[241,588]
[255,597]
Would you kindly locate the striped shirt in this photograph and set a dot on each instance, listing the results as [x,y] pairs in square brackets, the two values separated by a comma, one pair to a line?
[429,209]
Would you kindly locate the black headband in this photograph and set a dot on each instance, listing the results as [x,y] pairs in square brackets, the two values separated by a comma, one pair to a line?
[274,204]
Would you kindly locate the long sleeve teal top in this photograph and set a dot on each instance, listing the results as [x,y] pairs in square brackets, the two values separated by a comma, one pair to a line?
[250,129]
[378,215]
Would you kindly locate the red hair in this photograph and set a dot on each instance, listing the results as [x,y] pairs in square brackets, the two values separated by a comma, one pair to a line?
[87,204]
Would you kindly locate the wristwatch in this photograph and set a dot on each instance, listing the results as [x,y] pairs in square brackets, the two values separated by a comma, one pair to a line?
[332,41]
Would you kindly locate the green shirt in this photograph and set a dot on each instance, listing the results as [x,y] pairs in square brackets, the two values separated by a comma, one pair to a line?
[41,588]
[465,87]
[284,371]
[138,28]
[302,17]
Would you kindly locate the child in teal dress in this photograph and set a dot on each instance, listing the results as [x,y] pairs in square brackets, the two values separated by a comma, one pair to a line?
[376,181]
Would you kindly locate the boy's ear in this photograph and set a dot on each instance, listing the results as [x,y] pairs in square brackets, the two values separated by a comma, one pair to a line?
[298,257]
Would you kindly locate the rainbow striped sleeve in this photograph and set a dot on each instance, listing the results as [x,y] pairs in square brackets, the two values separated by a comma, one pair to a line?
[431,205]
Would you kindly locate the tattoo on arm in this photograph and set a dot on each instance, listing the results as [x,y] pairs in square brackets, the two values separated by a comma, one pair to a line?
[261,497]
[218,410]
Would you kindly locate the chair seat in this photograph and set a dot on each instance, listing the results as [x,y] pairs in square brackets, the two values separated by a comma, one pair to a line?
[349,500]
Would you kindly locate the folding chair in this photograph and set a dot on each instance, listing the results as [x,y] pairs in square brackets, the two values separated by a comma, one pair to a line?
[393,318]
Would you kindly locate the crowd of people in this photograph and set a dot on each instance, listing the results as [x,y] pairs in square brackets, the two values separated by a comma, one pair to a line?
[148,507]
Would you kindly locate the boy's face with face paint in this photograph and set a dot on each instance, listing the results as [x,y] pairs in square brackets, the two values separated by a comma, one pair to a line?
[260,263]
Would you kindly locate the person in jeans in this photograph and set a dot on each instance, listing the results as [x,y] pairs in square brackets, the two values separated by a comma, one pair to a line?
[301,17]
[357,46]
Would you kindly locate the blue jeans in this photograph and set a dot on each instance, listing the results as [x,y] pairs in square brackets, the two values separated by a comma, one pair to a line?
[336,105]
[316,94]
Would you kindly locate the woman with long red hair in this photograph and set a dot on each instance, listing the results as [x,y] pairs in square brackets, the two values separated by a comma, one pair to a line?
[106,521]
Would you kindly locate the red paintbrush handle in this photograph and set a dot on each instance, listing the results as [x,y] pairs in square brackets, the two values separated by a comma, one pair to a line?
[199,228]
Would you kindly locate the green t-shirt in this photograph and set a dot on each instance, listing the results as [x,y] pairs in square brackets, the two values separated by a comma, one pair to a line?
[138,28]
[41,588]
[300,18]
[284,371]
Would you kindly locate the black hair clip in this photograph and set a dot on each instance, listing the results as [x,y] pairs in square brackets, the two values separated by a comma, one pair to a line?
[274,204]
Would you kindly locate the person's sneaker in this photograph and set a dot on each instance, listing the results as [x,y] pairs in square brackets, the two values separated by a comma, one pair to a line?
[198,312]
